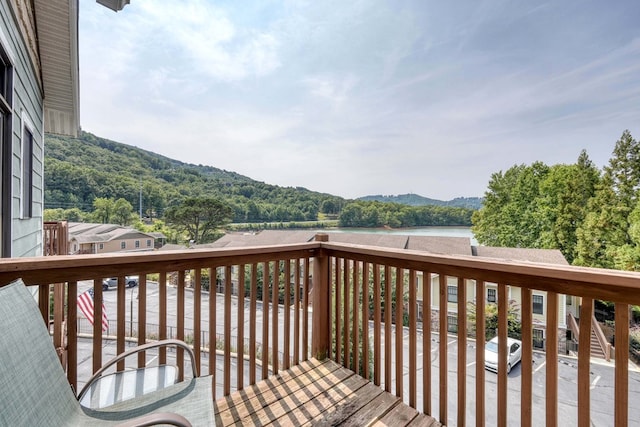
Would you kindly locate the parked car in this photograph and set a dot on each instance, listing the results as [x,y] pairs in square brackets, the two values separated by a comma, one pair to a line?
[491,354]
[112,282]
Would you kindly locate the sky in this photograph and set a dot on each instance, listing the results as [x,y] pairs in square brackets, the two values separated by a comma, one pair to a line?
[364,97]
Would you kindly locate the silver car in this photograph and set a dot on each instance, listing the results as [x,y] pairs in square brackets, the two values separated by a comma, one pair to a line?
[491,354]
[130,282]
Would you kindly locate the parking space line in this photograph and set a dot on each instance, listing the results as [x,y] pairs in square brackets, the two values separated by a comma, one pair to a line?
[540,367]
[595,381]
[471,364]
[152,359]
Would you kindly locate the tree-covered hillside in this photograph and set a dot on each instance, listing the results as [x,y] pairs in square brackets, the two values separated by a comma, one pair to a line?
[417,200]
[78,170]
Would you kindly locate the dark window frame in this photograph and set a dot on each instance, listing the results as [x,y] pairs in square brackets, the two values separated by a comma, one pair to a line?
[452,294]
[492,295]
[26,202]
[538,338]
[537,304]
[6,102]
[452,324]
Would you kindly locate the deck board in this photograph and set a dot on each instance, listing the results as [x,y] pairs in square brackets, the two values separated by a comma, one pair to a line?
[316,393]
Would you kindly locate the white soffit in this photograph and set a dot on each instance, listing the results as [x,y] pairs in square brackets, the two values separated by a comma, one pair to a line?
[57,32]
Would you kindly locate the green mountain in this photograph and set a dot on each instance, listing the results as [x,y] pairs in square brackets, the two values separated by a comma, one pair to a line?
[77,170]
[417,200]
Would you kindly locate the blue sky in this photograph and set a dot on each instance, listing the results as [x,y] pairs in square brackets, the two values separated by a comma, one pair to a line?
[364,97]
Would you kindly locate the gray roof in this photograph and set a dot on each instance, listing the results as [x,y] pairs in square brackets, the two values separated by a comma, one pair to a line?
[263,238]
[548,256]
[441,245]
[100,233]
[432,244]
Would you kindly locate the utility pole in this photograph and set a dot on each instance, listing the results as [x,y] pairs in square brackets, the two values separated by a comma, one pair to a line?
[140,199]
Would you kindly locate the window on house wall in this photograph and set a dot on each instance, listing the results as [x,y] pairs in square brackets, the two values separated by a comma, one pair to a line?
[491,295]
[137,244]
[452,324]
[101,246]
[123,245]
[27,174]
[452,293]
[538,338]
[537,304]
[6,94]
[149,243]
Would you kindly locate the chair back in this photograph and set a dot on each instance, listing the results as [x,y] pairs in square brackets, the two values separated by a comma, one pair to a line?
[33,386]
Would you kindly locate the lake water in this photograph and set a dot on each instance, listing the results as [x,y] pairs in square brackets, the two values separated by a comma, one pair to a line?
[416,231]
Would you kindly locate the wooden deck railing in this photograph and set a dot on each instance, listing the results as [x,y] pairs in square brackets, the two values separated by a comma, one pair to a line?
[358,295]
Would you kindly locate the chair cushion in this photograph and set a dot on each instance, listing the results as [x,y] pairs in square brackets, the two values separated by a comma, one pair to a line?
[33,386]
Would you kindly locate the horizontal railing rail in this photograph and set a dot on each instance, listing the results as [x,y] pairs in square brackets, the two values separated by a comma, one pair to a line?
[358,294]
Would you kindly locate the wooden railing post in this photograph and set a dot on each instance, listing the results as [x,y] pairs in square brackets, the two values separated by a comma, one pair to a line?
[321,316]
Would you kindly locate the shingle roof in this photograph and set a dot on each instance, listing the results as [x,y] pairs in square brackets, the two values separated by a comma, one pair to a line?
[100,233]
[548,256]
[442,245]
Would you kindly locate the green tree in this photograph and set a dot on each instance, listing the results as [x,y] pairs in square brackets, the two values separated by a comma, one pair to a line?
[199,217]
[122,212]
[514,326]
[562,205]
[604,236]
[103,210]
[509,216]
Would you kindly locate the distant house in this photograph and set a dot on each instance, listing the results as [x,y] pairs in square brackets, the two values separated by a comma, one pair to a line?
[38,94]
[86,238]
[460,246]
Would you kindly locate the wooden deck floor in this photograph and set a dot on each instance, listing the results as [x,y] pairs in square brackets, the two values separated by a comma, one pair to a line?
[319,394]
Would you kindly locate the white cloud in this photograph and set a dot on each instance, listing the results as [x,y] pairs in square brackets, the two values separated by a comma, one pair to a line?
[363,97]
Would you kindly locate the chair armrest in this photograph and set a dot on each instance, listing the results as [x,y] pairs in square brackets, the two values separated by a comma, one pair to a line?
[157,418]
[143,347]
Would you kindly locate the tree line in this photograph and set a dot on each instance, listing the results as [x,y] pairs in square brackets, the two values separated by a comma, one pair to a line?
[591,216]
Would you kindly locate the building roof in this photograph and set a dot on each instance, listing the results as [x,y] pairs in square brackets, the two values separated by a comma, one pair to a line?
[547,256]
[441,245]
[101,233]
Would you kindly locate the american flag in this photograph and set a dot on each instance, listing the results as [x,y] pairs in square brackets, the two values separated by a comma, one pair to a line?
[85,304]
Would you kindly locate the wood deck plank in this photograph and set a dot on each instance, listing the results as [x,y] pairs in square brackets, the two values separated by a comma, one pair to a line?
[318,394]
[252,391]
[373,410]
[316,400]
[241,404]
[423,420]
[336,406]
[400,415]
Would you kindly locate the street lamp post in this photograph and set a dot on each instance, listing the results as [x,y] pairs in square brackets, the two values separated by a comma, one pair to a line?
[131,315]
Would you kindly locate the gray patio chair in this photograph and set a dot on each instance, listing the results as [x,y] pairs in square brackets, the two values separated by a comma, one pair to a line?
[34,390]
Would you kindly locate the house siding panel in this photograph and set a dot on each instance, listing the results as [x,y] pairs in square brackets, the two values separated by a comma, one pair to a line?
[26,234]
